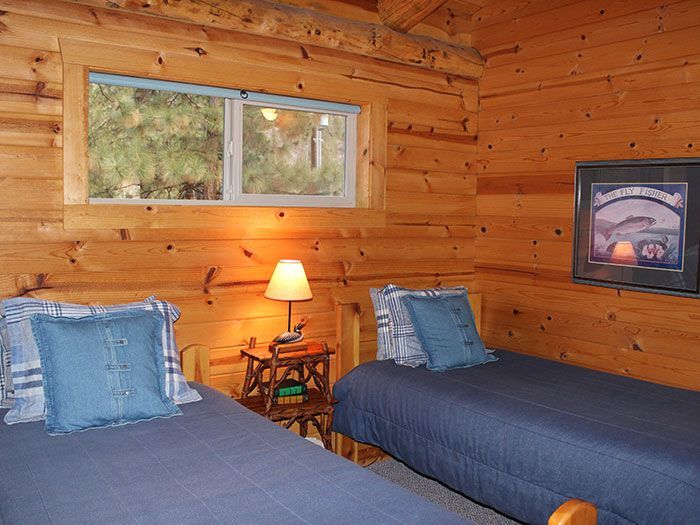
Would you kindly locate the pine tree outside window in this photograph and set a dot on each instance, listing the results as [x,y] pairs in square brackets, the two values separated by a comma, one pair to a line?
[158,141]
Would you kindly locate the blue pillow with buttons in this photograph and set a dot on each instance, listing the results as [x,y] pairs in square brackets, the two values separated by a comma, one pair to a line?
[102,370]
[446,329]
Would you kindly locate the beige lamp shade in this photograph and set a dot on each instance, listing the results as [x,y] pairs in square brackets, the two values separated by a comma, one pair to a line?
[288,282]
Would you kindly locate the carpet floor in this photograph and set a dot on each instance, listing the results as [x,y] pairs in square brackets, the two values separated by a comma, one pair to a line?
[438,493]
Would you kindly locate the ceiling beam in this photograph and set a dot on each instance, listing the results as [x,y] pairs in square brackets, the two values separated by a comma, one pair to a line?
[403,15]
[306,27]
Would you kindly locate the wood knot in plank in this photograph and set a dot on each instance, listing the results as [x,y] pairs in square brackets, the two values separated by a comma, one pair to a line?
[199,50]
[212,273]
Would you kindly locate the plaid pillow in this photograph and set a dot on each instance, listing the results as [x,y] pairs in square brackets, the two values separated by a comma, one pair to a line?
[381,314]
[6,392]
[26,371]
[406,349]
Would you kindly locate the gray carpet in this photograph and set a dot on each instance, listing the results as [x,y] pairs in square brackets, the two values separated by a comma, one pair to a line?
[437,493]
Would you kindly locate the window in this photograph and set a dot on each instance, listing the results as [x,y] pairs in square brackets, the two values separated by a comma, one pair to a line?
[151,140]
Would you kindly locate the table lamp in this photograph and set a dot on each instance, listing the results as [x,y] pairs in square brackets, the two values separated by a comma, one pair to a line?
[289,283]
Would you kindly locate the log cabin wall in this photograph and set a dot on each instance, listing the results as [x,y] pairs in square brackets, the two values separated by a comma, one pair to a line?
[573,80]
[217,272]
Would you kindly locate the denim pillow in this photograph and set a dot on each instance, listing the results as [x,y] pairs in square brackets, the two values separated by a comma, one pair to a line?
[446,329]
[102,370]
[28,402]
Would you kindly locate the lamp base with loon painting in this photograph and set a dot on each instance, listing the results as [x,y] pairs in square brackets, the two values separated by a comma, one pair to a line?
[289,283]
[288,337]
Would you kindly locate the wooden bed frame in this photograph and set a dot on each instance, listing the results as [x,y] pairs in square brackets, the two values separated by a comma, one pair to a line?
[349,341]
[195,363]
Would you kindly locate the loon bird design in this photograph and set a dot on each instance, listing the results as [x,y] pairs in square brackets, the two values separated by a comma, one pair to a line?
[291,337]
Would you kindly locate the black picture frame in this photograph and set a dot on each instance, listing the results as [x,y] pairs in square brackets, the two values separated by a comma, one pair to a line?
[637,225]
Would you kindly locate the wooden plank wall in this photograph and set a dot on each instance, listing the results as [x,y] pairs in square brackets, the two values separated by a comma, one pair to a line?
[426,238]
[571,80]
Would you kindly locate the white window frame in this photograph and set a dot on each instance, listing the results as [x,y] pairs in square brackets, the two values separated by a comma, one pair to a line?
[233,161]
[232,184]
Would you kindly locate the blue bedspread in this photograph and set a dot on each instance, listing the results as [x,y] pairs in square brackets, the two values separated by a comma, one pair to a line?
[524,434]
[217,463]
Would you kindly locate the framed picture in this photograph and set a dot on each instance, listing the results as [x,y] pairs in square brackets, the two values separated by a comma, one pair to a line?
[637,225]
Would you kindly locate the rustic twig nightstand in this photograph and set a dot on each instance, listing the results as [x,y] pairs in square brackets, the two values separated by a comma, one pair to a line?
[267,368]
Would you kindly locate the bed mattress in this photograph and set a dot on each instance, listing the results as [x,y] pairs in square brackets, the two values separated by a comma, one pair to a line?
[525,434]
[217,463]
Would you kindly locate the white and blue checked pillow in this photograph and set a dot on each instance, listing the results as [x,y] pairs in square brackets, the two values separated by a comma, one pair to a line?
[381,314]
[396,337]
[6,391]
[25,367]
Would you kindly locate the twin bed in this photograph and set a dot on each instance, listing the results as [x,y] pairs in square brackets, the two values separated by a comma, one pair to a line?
[525,434]
[217,463]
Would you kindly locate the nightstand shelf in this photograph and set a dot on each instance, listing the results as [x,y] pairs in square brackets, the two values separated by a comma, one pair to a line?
[267,369]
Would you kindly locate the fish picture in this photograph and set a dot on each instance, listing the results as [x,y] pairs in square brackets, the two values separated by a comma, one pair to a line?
[631,224]
[639,225]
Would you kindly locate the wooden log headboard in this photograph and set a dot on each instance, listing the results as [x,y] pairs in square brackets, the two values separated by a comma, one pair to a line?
[349,338]
[194,360]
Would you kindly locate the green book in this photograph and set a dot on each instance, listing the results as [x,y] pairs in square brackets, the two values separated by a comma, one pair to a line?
[290,387]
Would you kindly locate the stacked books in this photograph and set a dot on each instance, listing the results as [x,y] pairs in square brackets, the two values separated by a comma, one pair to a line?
[290,391]
[288,400]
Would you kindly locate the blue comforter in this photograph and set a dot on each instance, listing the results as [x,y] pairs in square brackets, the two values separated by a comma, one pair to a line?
[217,463]
[525,434]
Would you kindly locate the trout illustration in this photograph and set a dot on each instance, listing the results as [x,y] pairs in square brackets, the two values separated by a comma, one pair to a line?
[631,224]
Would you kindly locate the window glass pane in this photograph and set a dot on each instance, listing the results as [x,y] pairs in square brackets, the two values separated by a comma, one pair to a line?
[150,144]
[290,152]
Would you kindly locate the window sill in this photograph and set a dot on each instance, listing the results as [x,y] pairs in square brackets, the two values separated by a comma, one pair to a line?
[115,216]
